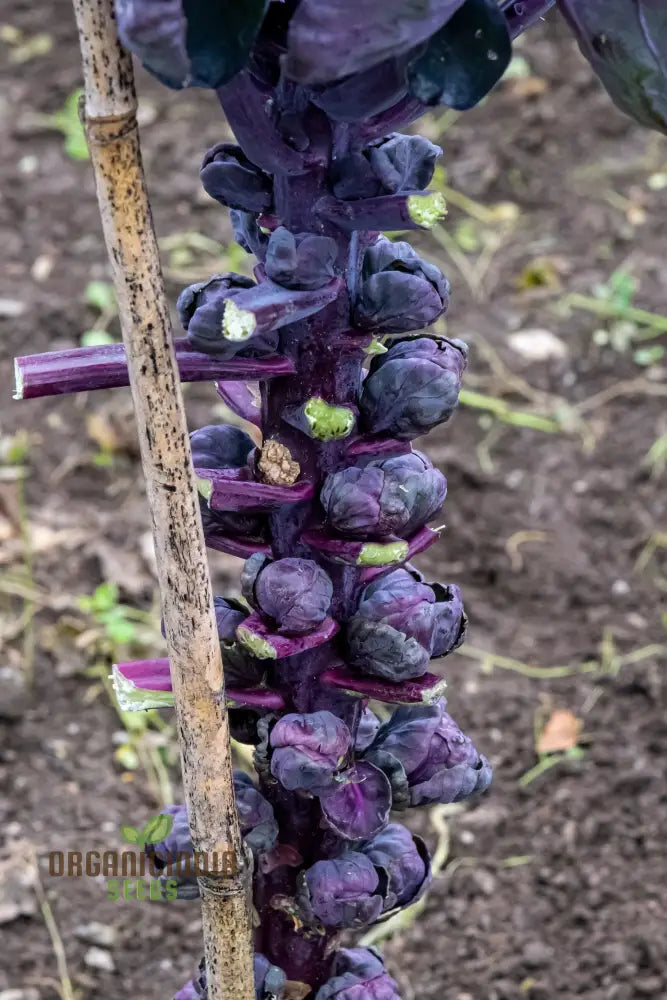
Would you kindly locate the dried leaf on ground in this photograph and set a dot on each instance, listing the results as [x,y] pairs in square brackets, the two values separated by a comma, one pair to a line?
[560,733]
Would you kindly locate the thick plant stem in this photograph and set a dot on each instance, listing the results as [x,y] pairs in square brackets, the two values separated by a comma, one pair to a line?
[194,651]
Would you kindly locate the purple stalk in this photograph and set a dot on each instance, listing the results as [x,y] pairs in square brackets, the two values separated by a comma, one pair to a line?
[143,684]
[388,212]
[404,113]
[83,369]
[248,107]
[235,489]
[372,558]
[265,644]
[422,691]
[240,400]
[377,446]
[420,542]
[240,547]
[521,14]
[269,307]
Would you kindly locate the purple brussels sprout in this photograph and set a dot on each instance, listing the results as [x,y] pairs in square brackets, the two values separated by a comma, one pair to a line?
[228,616]
[269,981]
[222,524]
[366,730]
[413,387]
[430,759]
[241,669]
[191,992]
[228,176]
[252,567]
[391,496]
[358,974]
[388,166]
[243,723]
[399,291]
[187,44]
[293,594]
[197,988]
[399,625]
[206,311]
[248,234]
[258,823]
[358,805]
[220,446]
[451,622]
[343,892]
[405,861]
[309,751]
[301,260]
[174,856]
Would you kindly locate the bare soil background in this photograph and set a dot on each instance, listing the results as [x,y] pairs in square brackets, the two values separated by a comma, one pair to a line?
[554,887]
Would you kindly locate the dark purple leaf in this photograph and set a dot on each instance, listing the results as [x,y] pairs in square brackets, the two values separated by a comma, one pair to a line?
[327,41]
[190,43]
[228,176]
[465,59]
[625,42]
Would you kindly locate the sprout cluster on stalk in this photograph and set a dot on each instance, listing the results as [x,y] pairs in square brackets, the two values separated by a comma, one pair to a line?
[326,350]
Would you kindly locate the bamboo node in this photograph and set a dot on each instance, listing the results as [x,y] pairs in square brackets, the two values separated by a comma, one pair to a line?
[102,131]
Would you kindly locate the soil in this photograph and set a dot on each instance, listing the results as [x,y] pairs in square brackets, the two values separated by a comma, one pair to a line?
[554,887]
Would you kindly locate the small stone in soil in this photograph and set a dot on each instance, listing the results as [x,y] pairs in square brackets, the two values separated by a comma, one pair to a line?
[536,954]
[102,935]
[98,958]
[14,694]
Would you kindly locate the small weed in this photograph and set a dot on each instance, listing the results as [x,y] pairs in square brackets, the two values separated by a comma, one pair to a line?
[100,295]
[192,256]
[628,327]
[120,632]
[14,455]
[68,122]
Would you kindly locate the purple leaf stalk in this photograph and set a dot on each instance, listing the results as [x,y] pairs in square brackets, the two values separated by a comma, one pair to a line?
[327,351]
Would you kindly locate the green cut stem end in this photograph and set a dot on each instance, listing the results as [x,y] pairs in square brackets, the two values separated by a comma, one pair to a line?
[427,209]
[376,554]
[204,488]
[261,648]
[18,381]
[328,423]
[133,699]
[237,323]
[375,347]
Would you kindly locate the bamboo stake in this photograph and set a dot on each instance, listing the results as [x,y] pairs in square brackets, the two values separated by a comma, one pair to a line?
[185,585]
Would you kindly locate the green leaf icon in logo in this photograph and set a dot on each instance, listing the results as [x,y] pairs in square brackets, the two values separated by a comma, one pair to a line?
[130,834]
[157,828]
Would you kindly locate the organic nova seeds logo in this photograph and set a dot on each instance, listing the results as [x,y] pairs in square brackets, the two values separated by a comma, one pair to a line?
[141,874]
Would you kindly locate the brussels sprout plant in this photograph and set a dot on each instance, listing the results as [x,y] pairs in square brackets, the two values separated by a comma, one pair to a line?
[327,351]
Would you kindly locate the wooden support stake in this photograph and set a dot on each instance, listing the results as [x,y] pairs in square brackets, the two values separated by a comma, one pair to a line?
[185,585]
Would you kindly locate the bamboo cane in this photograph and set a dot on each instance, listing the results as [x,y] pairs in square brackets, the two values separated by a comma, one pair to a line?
[194,652]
